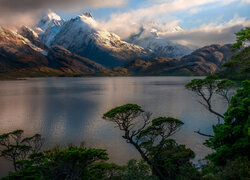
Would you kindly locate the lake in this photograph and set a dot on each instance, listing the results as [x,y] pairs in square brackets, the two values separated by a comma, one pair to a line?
[69,110]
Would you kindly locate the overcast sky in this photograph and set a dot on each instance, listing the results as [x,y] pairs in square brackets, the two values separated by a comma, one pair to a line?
[203,21]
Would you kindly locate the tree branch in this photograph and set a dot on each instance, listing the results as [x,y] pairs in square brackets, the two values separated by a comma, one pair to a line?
[202,134]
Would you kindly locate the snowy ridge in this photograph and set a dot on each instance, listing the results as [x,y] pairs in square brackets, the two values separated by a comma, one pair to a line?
[149,36]
[48,27]
[46,20]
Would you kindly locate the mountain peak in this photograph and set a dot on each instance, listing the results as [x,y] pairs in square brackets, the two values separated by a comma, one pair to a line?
[85,22]
[88,14]
[49,17]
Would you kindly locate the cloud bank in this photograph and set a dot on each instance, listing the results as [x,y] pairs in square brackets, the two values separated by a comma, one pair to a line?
[126,23]
[209,34]
[13,12]
[24,12]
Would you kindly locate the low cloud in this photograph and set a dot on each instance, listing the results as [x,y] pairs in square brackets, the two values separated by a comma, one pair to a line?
[13,12]
[27,5]
[209,34]
[125,24]
[128,23]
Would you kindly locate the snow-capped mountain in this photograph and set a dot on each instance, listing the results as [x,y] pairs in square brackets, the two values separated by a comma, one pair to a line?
[83,36]
[48,27]
[150,36]
[17,52]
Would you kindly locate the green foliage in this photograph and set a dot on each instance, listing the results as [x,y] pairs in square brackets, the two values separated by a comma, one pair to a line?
[237,169]
[167,159]
[14,147]
[173,160]
[230,64]
[242,36]
[200,85]
[128,108]
[69,163]
[231,139]
[239,67]
[137,170]
[103,171]
[210,86]
[163,126]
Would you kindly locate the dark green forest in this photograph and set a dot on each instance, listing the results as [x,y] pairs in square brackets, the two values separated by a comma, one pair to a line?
[162,158]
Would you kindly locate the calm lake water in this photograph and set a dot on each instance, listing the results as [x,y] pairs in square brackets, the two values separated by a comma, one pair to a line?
[69,110]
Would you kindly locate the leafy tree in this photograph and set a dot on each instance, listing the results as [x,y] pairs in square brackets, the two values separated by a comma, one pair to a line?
[69,163]
[137,170]
[236,169]
[103,171]
[14,147]
[207,88]
[151,139]
[239,67]
[231,139]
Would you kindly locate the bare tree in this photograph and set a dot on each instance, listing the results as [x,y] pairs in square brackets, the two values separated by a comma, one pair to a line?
[207,88]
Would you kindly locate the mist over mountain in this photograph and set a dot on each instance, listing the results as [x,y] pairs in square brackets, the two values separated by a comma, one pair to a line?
[149,36]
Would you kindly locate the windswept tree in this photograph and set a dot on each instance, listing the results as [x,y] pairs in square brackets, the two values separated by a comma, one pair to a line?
[152,140]
[15,147]
[208,89]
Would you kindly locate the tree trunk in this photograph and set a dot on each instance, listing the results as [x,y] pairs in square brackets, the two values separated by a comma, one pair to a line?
[155,169]
[14,164]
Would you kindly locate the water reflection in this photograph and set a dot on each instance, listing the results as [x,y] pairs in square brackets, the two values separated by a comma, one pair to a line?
[69,110]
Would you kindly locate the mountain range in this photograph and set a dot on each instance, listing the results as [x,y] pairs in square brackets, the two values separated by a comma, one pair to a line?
[17,53]
[81,46]
[203,61]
